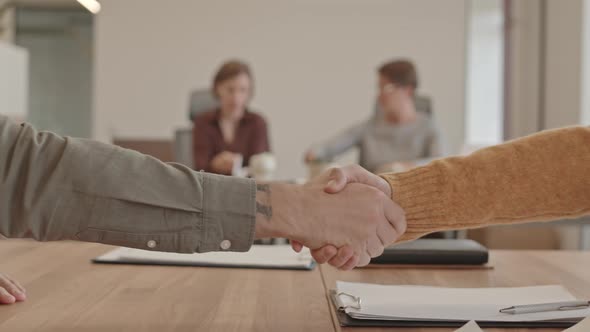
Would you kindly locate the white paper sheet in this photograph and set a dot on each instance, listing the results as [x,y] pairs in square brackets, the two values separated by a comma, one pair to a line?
[262,256]
[470,327]
[384,302]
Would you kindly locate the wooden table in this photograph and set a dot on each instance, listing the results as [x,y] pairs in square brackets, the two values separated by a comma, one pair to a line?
[511,269]
[68,293]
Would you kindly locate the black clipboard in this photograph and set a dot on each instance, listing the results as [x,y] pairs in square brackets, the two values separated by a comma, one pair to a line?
[437,252]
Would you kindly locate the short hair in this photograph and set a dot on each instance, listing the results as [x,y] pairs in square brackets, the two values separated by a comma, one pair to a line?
[229,70]
[400,72]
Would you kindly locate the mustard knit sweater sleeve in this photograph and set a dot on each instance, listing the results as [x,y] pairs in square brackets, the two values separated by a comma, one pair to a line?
[545,176]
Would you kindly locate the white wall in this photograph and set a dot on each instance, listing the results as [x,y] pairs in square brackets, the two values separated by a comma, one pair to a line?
[563,90]
[14,84]
[314,62]
[525,62]
[586,64]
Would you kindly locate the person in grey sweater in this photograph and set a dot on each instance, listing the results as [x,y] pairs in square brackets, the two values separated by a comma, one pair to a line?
[401,135]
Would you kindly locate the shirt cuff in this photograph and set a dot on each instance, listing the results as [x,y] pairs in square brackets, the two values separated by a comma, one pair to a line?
[229,213]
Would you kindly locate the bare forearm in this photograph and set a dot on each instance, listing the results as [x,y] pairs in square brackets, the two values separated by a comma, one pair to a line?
[277,206]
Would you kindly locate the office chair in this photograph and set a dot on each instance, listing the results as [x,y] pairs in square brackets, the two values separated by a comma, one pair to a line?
[200,101]
[422,103]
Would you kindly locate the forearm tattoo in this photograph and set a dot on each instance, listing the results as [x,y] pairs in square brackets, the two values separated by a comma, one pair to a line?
[263,203]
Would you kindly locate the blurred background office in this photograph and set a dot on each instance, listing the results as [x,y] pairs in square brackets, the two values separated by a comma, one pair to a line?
[134,72]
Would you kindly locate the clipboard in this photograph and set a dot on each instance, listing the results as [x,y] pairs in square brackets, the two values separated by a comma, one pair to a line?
[347,321]
[276,257]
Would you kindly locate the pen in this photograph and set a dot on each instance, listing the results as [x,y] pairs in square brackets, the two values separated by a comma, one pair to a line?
[542,307]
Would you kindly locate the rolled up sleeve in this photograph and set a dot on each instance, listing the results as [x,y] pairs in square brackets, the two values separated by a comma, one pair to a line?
[58,188]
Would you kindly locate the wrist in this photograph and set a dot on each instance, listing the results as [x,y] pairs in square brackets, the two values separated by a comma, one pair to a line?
[277,208]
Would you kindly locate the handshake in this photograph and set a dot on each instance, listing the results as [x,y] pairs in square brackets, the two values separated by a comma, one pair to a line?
[345,216]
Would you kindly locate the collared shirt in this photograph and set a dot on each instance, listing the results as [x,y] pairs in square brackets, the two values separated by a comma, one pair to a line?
[251,138]
[58,188]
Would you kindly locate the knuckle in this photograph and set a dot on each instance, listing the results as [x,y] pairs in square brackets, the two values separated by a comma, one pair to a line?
[317,255]
[377,214]
[400,211]
[335,172]
[364,260]
[379,251]
[325,256]
[376,224]
[372,223]
[347,251]
[319,258]
[337,261]
[374,192]
[402,224]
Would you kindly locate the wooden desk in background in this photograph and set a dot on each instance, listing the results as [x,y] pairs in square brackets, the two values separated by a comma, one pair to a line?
[69,293]
[511,269]
[66,292]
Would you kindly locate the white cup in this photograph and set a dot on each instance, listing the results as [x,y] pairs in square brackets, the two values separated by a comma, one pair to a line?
[237,167]
[262,166]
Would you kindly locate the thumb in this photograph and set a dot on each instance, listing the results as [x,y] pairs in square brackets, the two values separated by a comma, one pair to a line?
[337,181]
[355,173]
[340,177]
[296,245]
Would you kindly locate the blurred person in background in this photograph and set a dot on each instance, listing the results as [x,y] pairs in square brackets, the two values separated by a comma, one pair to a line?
[399,136]
[226,137]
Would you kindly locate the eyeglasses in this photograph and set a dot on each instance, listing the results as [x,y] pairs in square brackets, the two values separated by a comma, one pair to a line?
[388,88]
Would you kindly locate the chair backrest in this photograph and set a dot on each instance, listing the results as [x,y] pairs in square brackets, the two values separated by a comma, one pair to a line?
[183,146]
[423,104]
[201,101]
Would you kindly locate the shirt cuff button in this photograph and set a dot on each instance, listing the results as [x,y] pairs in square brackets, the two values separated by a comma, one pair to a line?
[151,244]
[225,244]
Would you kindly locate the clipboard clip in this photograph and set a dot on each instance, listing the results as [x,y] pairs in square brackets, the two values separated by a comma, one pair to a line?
[355,305]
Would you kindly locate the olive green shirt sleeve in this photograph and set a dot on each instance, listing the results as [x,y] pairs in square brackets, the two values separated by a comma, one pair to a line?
[58,188]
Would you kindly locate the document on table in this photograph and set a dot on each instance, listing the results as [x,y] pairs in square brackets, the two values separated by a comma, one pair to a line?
[259,256]
[439,304]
